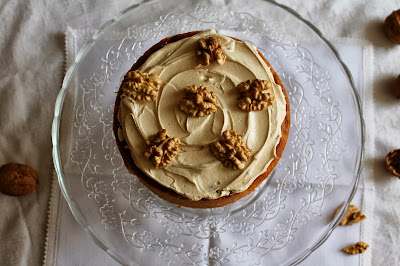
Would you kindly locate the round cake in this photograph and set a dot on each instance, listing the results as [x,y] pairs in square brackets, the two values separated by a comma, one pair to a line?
[201,119]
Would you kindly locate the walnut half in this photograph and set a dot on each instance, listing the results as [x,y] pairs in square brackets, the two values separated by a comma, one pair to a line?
[230,150]
[253,96]
[199,101]
[210,50]
[357,248]
[161,149]
[141,86]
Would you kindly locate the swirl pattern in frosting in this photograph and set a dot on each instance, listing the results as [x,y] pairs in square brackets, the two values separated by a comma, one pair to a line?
[195,173]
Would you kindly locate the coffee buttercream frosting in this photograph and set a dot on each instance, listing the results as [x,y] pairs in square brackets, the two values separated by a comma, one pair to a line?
[195,172]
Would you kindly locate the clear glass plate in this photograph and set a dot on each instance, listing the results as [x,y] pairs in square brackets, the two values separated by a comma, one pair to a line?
[286,218]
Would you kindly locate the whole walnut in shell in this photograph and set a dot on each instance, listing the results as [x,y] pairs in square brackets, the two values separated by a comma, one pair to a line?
[396,87]
[17,179]
[393,162]
[392,26]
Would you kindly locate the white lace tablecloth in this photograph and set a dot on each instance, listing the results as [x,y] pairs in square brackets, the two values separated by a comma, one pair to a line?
[32,46]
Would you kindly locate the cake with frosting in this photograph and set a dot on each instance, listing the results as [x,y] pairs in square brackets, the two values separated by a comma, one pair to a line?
[201,119]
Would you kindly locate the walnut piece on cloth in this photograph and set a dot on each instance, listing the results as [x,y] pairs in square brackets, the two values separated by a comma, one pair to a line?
[357,248]
[352,215]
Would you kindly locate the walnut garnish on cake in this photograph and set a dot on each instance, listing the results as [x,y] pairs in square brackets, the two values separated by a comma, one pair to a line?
[198,101]
[210,50]
[357,248]
[352,215]
[141,86]
[230,150]
[253,95]
[161,149]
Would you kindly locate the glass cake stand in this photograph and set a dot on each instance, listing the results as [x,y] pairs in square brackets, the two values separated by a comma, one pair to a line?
[288,217]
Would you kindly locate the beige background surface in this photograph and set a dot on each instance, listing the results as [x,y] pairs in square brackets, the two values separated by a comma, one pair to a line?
[32,49]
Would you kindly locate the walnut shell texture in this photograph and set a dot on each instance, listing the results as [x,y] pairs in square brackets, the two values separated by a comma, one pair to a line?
[396,87]
[17,179]
[392,26]
[393,162]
